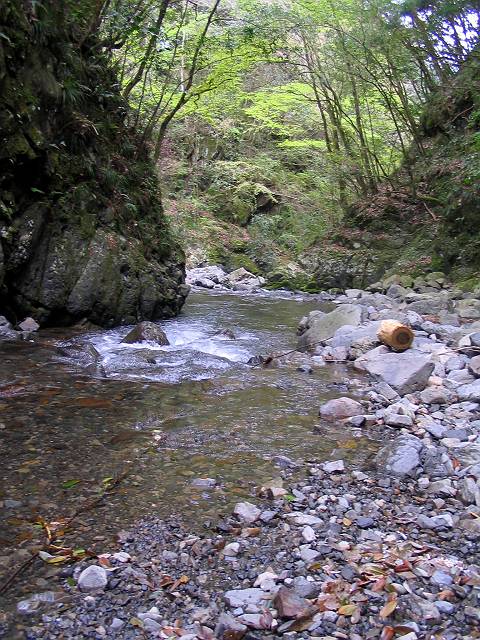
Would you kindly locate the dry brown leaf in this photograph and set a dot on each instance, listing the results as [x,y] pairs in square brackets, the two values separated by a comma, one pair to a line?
[347,609]
[388,608]
[387,633]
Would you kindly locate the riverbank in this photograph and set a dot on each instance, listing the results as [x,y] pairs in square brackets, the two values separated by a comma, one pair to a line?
[383,551]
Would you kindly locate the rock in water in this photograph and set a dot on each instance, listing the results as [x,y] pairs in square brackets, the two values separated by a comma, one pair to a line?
[93,578]
[341,408]
[29,324]
[320,327]
[146,332]
[405,372]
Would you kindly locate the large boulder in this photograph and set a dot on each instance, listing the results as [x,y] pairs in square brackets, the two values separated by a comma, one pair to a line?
[429,304]
[400,457]
[202,275]
[319,328]
[347,336]
[146,332]
[468,309]
[405,372]
[243,280]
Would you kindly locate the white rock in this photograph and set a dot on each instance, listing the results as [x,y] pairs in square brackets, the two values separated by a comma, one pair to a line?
[247,512]
[231,549]
[308,533]
[333,466]
[303,518]
[93,578]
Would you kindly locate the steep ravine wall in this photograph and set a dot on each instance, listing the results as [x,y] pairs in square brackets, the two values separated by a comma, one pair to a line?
[82,230]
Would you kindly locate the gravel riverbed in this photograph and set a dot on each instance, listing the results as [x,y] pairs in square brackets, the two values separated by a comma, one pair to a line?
[390,551]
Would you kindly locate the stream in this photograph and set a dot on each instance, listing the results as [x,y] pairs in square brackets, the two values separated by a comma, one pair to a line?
[167,415]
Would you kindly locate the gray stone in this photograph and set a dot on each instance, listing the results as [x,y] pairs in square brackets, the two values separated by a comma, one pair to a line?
[232,549]
[470,525]
[284,462]
[398,420]
[447,333]
[214,274]
[397,291]
[475,339]
[305,588]
[444,607]
[243,597]
[401,457]
[470,491]
[254,621]
[364,522]
[468,309]
[405,372]
[474,366]
[347,336]
[301,519]
[437,394]
[459,378]
[308,554]
[228,628]
[146,332]
[247,512]
[421,610]
[341,408]
[434,428]
[386,391]
[93,578]
[473,613]
[425,304]
[455,363]
[117,624]
[442,488]
[204,483]
[321,328]
[149,624]
[335,466]
[467,453]
[441,521]
[29,325]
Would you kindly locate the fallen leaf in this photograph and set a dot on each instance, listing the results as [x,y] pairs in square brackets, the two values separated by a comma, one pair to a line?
[387,633]
[69,484]
[388,608]
[379,584]
[347,609]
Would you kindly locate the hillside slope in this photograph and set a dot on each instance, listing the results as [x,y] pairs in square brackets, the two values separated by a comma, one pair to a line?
[426,216]
[82,230]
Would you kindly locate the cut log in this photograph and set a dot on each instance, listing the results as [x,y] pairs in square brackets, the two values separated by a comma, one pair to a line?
[396,335]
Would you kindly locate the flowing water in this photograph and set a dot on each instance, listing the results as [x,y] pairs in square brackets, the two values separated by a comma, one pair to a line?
[166,415]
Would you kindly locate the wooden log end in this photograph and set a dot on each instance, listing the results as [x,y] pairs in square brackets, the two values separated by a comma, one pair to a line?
[395,335]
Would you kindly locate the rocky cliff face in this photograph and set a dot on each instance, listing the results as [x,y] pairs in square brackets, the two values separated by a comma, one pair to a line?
[82,231]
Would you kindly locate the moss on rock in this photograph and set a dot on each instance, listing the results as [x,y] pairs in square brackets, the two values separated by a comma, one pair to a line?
[83,233]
